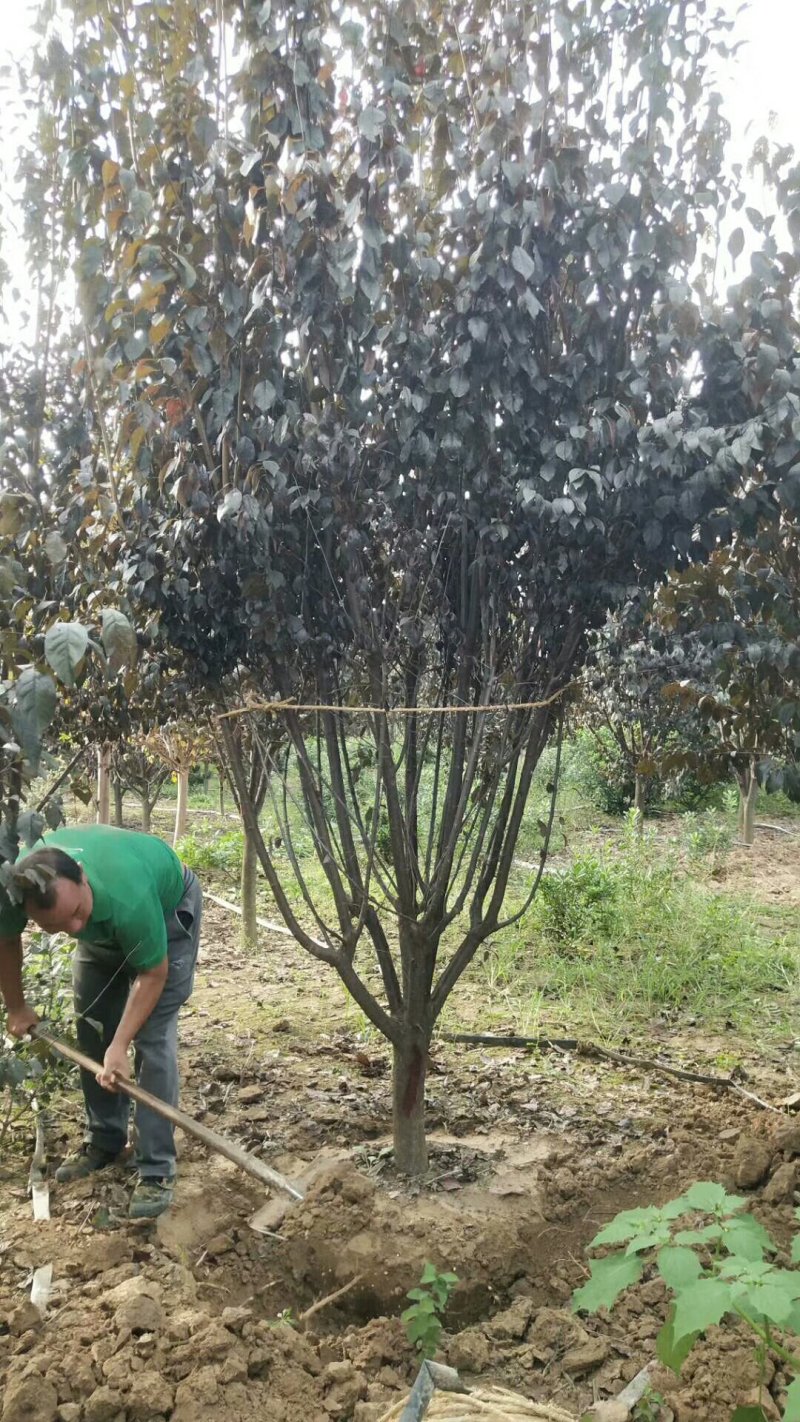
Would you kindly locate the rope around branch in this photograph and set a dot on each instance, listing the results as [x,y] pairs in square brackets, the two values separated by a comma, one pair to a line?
[271,707]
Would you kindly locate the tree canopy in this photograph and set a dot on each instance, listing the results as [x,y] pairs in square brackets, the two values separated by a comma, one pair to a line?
[405,365]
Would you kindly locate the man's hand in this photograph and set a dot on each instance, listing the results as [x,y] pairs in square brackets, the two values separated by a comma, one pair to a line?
[115,1064]
[20,1020]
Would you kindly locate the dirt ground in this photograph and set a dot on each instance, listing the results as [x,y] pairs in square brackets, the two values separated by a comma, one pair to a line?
[199,1316]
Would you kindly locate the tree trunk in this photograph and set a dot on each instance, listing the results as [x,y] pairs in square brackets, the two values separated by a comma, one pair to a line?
[409,1067]
[103,785]
[639,797]
[118,794]
[146,808]
[221,793]
[748,791]
[249,885]
[182,807]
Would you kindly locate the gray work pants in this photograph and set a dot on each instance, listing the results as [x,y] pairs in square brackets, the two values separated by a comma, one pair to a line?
[101,992]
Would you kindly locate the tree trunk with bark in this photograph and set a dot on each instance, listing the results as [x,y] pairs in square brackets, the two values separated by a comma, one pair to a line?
[147,808]
[639,799]
[182,807]
[748,792]
[409,1071]
[104,785]
[221,793]
[118,796]
[249,893]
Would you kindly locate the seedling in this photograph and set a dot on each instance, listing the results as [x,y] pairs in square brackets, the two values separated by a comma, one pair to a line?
[711,1255]
[429,1300]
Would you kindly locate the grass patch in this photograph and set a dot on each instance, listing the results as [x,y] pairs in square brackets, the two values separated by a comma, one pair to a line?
[618,938]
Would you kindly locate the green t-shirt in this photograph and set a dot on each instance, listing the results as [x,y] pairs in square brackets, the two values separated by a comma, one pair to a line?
[136,882]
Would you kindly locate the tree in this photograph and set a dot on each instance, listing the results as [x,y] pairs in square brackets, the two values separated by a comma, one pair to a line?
[401,385]
[46,654]
[743,610]
[641,691]
[180,746]
[248,742]
[144,774]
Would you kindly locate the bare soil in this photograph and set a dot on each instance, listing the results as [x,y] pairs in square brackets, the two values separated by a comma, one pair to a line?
[198,1316]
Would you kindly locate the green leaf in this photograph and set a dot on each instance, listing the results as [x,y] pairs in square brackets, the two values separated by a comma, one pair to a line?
[371,122]
[771,1301]
[31,826]
[119,639]
[746,1237]
[459,383]
[653,1240]
[796,1249]
[265,395]
[699,1236]
[609,1277]
[700,1305]
[35,695]
[791,1412]
[673,1355]
[749,1414]
[628,1224]
[678,1267]
[65,646]
[522,263]
[707,1195]
[55,547]
[736,242]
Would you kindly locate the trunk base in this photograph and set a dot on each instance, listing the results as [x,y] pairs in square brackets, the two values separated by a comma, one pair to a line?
[409,1068]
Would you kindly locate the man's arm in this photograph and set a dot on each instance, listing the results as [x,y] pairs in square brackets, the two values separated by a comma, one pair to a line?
[21,1017]
[146,989]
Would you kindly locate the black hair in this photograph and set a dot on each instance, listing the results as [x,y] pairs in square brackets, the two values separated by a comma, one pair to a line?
[36,876]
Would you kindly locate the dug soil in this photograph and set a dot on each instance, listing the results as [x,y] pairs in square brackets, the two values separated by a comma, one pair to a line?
[200,1316]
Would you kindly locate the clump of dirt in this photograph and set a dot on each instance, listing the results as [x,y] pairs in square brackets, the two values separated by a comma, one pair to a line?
[131,1340]
[348,1227]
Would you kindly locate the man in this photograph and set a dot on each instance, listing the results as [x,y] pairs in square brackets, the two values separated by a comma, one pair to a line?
[135,911]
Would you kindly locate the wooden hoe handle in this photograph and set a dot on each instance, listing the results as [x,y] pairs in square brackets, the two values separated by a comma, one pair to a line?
[243,1158]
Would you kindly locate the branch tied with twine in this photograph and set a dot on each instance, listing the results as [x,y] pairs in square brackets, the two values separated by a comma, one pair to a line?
[272,707]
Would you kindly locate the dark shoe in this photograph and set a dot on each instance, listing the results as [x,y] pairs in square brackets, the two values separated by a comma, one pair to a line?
[151,1198]
[86,1162]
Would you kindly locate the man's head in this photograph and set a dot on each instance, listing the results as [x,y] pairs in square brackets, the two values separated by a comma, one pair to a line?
[62,901]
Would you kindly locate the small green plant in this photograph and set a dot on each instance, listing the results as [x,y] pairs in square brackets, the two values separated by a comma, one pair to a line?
[648,1408]
[706,834]
[422,1319]
[580,901]
[711,1255]
[284,1319]
[220,852]
[29,1076]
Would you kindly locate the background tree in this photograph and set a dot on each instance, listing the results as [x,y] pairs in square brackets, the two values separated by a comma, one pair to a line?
[743,608]
[254,740]
[136,769]
[400,384]
[640,703]
[180,746]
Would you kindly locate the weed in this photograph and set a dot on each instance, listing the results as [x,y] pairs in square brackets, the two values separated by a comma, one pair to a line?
[648,1408]
[706,835]
[630,932]
[712,1256]
[28,1073]
[422,1319]
[284,1319]
[220,852]
[581,901]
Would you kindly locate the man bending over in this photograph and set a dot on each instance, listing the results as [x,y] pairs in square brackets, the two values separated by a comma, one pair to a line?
[135,911]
